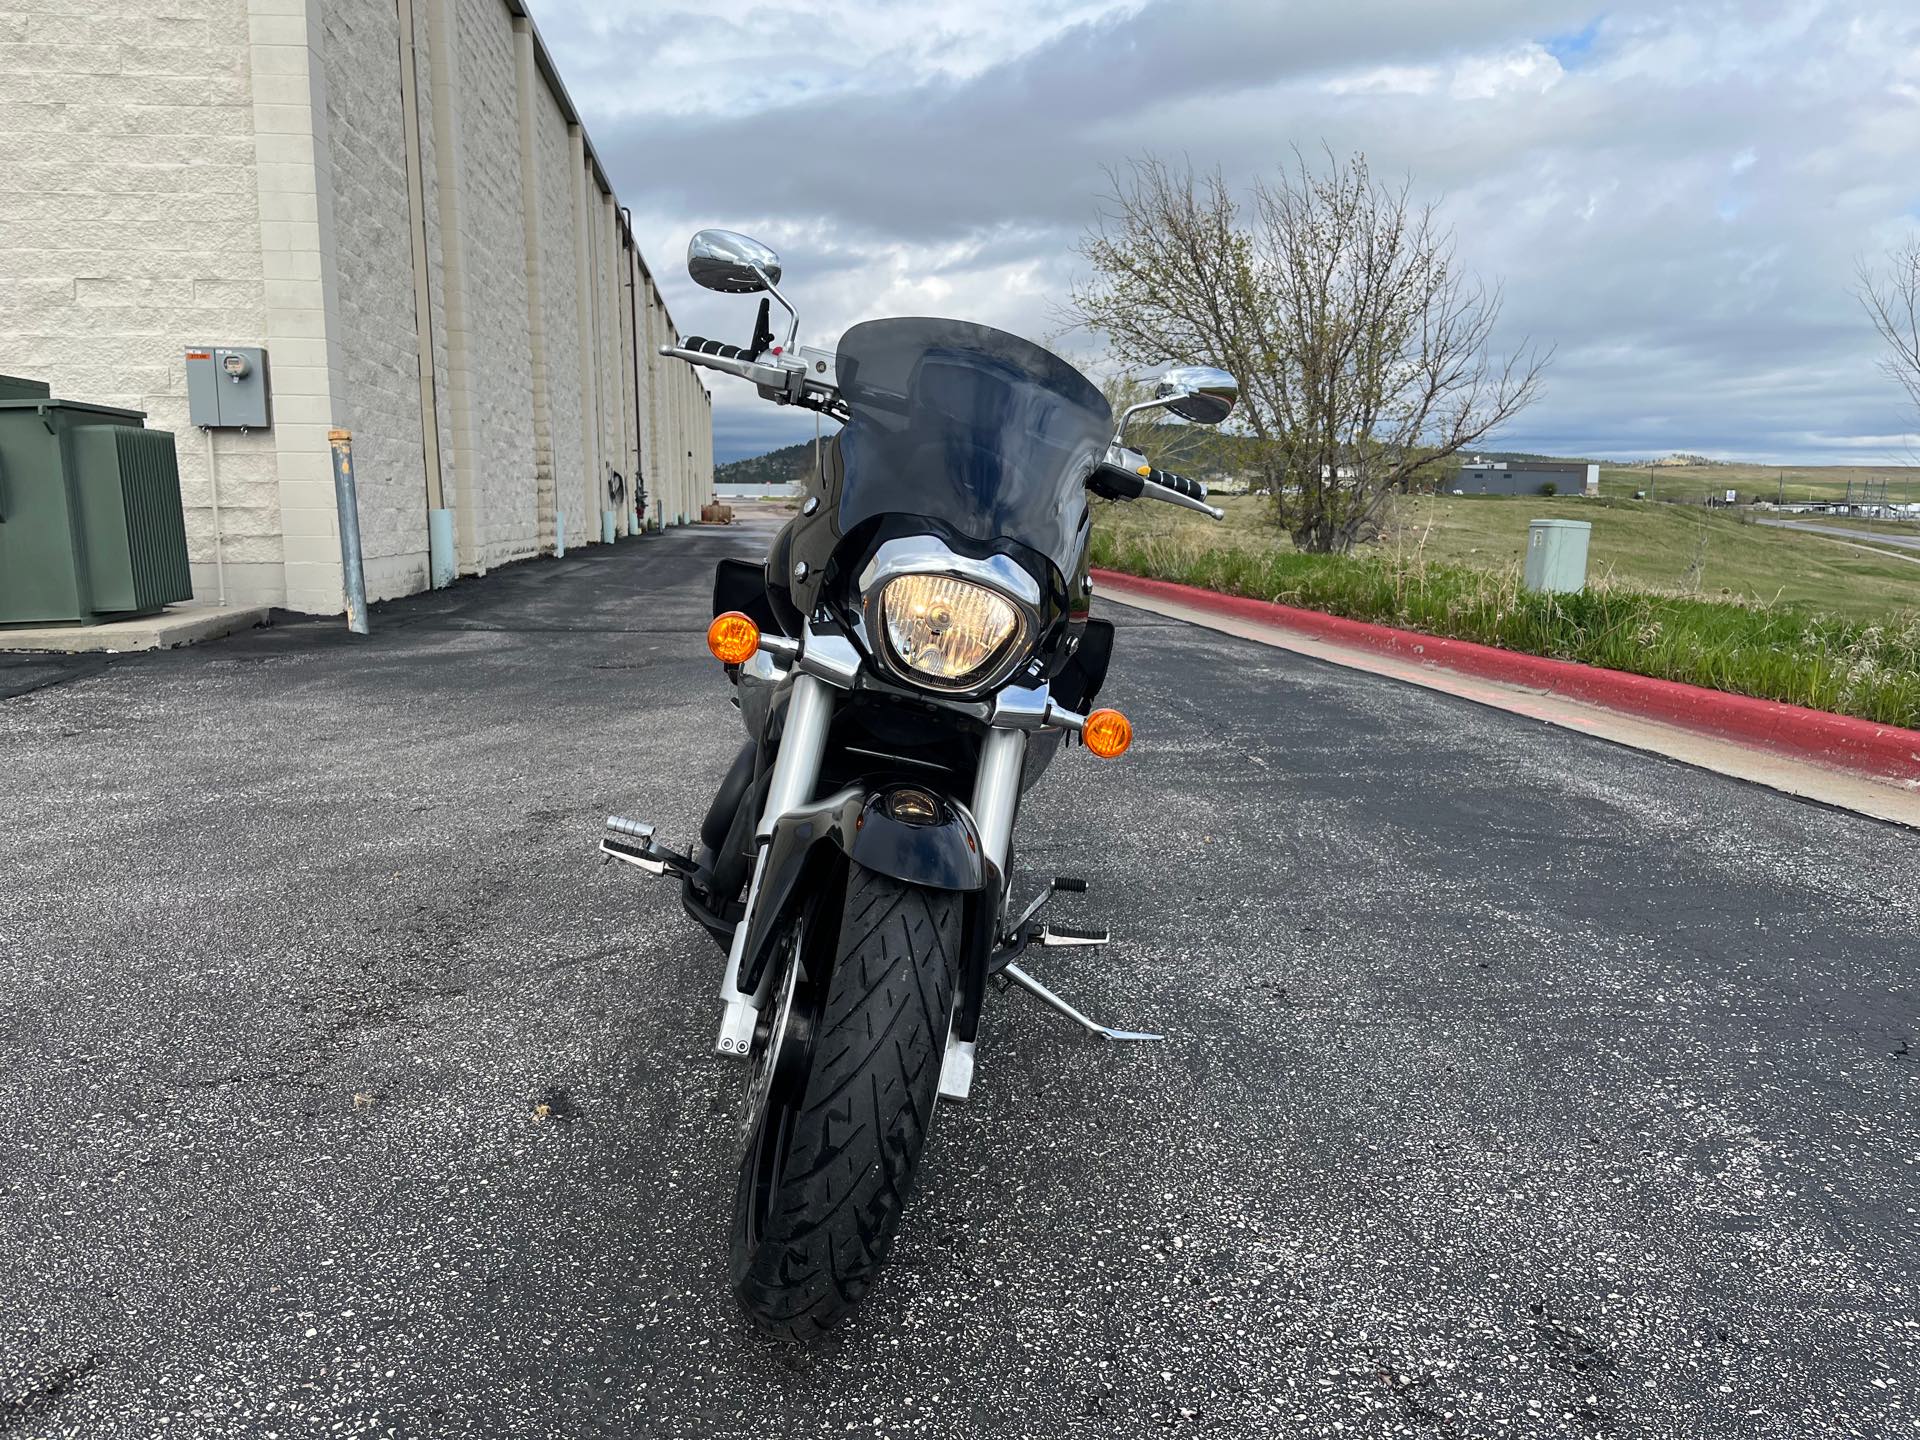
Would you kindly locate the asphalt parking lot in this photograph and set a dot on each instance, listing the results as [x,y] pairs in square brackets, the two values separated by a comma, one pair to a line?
[1517,1084]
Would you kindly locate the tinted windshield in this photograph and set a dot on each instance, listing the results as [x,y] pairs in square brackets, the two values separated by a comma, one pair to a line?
[970,426]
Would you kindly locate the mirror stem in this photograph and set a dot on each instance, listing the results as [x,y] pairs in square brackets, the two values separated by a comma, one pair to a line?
[1132,410]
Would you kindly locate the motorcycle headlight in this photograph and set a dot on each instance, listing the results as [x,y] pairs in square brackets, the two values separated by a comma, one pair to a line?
[945,629]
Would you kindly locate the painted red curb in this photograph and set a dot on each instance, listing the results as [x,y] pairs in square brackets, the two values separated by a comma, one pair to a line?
[1841,740]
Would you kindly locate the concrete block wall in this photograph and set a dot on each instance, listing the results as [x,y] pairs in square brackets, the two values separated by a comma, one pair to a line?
[497,480]
[194,172]
[380,355]
[559,306]
[130,229]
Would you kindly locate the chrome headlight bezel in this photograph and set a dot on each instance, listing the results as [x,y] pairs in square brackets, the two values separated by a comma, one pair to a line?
[925,556]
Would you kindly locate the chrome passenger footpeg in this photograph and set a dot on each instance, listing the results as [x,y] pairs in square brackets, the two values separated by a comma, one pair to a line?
[631,842]
[1051,934]
[1033,987]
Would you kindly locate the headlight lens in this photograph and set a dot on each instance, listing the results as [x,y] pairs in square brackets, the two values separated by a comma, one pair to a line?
[943,628]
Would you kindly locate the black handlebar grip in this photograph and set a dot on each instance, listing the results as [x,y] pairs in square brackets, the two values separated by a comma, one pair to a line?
[1179,484]
[716,347]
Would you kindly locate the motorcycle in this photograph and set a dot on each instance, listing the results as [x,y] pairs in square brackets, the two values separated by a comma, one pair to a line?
[907,662]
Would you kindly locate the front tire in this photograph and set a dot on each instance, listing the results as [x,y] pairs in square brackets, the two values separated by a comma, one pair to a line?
[847,1073]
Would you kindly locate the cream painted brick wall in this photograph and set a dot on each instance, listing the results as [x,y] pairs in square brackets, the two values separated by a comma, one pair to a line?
[502,381]
[374,259]
[613,429]
[162,188]
[129,230]
[559,308]
[652,440]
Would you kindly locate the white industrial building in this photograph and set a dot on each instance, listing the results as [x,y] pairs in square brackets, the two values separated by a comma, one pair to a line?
[396,200]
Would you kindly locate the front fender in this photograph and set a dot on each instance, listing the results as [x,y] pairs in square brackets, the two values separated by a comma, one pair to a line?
[943,856]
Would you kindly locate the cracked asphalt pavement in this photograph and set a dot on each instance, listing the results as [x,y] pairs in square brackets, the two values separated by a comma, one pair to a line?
[1516,1084]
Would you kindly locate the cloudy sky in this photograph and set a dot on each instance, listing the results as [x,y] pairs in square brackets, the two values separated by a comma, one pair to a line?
[1673,194]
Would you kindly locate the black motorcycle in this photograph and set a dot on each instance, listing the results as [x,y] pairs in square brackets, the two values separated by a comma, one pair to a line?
[907,661]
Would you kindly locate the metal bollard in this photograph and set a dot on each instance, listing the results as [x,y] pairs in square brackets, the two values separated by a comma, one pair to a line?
[353,575]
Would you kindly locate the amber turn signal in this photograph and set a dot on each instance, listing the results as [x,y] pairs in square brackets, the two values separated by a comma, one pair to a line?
[733,638]
[1107,733]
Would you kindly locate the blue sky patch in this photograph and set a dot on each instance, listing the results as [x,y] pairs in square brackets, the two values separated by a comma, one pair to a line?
[1574,48]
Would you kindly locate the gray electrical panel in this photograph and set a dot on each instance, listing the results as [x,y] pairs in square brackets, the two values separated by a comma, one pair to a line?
[1557,555]
[227,387]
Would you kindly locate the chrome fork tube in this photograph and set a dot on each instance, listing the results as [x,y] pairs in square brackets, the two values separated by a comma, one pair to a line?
[803,740]
[996,793]
[796,771]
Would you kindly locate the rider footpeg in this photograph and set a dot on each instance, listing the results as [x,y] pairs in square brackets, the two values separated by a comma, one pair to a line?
[1051,934]
[631,842]
[1022,930]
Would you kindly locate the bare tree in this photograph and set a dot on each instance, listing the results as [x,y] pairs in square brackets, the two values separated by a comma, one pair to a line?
[1890,294]
[1363,353]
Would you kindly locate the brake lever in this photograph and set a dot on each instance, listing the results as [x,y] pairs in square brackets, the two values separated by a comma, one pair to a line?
[1151,491]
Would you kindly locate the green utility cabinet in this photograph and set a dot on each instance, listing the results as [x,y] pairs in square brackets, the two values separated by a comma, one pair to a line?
[90,522]
[1557,555]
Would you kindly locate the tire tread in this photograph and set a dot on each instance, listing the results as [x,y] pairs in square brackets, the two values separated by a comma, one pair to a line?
[866,1113]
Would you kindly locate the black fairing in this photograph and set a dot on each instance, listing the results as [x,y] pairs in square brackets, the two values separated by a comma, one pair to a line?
[955,430]
[989,434]
[741,585]
[834,560]
[1077,685]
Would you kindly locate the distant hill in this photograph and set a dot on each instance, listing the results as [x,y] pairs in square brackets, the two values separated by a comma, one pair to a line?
[787,465]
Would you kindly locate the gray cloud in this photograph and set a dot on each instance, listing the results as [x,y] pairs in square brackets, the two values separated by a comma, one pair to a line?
[1674,194]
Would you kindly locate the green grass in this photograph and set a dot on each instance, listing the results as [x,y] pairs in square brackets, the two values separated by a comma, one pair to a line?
[1683,550]
[1457,574]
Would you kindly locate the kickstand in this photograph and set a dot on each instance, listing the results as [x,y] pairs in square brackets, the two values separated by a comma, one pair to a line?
[1033,987]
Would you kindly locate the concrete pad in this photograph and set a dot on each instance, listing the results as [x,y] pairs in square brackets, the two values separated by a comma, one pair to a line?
[176,625]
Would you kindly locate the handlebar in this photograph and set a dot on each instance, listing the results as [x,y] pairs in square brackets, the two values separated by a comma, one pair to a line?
[1146,482]
[780,381]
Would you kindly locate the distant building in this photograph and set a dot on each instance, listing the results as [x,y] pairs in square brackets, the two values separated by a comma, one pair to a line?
[1527,477]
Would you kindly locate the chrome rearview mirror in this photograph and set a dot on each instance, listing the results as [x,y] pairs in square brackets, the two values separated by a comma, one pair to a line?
[731,263]
[1200,393]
